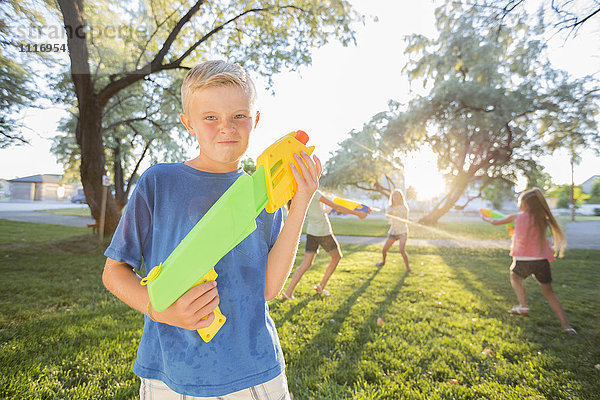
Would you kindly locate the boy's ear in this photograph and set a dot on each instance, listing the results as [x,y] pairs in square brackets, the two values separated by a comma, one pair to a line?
[257,119]
[185,120]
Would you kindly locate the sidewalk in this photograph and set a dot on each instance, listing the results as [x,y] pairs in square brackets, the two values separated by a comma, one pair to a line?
[479,243]
[580,235]
[25,211]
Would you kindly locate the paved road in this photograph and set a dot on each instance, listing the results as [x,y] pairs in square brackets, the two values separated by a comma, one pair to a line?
[583,235]
[580,235]
[26,211]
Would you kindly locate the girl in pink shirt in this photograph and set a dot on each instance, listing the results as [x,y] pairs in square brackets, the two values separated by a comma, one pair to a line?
[531,251]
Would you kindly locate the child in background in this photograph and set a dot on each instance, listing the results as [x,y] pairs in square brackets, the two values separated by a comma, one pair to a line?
[397,213]
[245,357]
[531,251]
[319,233]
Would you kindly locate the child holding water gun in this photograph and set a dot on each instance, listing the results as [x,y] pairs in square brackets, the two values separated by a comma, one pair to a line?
[319,233]
[397,213]
[531,251]
[245,359]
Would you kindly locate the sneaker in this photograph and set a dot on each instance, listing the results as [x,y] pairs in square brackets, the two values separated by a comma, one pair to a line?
[321,290]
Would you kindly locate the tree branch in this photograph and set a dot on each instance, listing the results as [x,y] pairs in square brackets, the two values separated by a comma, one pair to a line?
[123,122]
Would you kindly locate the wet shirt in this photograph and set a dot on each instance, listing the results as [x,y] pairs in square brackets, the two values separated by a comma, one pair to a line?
[317,222]
[168,201]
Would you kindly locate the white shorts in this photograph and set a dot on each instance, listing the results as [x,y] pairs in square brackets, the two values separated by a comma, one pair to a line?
[275,389]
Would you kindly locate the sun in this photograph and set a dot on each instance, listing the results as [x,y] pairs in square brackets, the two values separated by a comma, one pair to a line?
[421,172]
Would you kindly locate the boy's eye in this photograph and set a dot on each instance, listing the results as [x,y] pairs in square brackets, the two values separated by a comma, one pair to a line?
[239,116]
[210,117]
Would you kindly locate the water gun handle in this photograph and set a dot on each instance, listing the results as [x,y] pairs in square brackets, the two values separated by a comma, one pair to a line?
[209,332]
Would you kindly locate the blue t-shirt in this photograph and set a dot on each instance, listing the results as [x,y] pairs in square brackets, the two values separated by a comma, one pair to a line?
[168,201]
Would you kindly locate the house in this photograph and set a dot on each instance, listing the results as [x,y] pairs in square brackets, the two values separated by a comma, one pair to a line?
[586,186]
[44,187]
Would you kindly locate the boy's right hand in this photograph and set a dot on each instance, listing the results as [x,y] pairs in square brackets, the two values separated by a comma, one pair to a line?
[193,310]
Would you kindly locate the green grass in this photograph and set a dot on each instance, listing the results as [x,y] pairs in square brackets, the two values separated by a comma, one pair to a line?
[468,229]
[76,211]
[12,232]
[62,335]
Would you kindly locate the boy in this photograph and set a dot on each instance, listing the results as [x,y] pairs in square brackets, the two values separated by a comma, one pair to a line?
[245,357]
[319,233]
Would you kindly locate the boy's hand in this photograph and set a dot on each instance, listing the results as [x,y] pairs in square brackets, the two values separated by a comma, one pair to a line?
[193,310]
[308,181]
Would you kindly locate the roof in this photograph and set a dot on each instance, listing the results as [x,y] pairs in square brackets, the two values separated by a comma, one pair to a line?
[591,179]
[51,178]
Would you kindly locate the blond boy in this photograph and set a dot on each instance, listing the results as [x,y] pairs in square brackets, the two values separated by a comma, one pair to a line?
[244,360]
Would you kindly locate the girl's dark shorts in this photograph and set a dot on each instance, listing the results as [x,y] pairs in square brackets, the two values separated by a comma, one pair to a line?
[540,269]
[327,242]
[398,237]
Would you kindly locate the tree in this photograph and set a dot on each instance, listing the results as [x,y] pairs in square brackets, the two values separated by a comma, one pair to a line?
[140,123]
[489,93]
[363,161]
[563,192]
[568,15]
[497,192]
[248,165]
[263,36]
[16,91]
[575,128]
[538,178]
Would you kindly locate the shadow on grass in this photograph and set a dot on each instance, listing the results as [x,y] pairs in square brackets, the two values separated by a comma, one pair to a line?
[366,334]
[342,311]
[480,279]
[536,345]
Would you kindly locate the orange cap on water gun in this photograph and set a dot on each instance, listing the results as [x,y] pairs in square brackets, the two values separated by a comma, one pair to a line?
[302,137]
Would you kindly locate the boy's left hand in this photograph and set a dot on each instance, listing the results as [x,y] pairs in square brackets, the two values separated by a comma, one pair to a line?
[307,178]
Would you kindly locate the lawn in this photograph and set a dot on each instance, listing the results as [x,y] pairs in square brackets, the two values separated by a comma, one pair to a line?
[449,228]
[446,333]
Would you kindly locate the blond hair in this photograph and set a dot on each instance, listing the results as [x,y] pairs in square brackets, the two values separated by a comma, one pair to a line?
[543,219]
[216,74]
[397,199]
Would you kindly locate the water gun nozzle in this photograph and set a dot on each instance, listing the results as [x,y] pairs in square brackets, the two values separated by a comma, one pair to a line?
[302,137]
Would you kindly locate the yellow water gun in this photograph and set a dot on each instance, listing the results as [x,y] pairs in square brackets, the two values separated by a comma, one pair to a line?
[352,205]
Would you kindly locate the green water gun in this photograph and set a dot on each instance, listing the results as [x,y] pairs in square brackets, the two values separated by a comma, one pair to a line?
[498,215]
[229,221]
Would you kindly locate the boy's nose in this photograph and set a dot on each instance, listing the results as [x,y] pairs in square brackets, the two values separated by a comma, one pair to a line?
[227,126]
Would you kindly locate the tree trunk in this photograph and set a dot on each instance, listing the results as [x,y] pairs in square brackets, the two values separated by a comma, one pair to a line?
[572,191]
[93,163]
[457,189]
[89,126]
[120,195]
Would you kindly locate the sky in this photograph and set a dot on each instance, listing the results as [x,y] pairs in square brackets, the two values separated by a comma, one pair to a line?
[340,91]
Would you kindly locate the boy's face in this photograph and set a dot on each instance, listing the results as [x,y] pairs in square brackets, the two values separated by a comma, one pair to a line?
[221,118]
